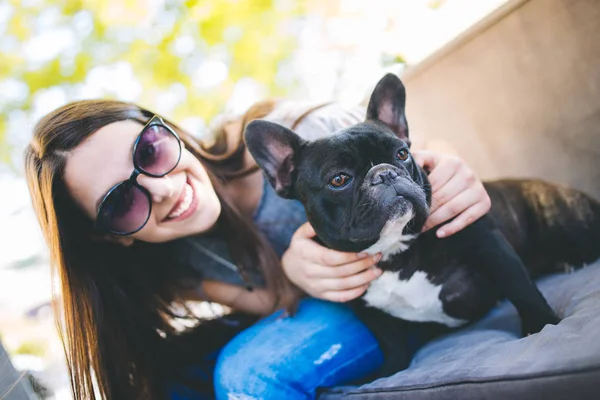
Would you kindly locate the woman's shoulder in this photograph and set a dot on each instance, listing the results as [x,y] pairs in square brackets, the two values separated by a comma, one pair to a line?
[313,121]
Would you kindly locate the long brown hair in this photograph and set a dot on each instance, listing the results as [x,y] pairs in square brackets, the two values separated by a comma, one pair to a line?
[115,304]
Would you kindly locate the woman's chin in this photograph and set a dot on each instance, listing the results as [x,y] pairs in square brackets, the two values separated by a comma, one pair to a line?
[206,208]
[206,216]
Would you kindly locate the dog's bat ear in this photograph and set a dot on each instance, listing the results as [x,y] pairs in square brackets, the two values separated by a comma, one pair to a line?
[275,149]
[387,105]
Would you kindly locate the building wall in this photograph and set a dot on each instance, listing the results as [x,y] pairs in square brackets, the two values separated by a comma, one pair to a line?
[518,95]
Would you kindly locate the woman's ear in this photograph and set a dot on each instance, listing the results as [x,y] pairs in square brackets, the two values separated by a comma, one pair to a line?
[125,241]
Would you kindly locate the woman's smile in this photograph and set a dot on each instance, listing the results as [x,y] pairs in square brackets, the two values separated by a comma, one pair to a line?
[186,204]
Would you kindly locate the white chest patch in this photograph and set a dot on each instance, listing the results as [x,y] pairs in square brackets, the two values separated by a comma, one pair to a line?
[415,299]
[391,239]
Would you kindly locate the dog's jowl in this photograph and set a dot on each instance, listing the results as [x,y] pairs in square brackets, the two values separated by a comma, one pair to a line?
[363,191]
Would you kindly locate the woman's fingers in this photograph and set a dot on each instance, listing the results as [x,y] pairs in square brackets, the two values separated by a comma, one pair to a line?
[426,159]
[350,282]
[441,168]
[450,210]
[317,271]
[342,296]
[319,254]
[465,219]
[443,172]
[456,185]
[335,258]
[304,231]
[456,193]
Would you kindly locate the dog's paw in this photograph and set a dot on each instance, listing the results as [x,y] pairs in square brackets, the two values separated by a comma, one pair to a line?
[534,324]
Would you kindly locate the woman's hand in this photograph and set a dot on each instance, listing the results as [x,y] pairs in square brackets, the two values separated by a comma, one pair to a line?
[324,273]
[456,192]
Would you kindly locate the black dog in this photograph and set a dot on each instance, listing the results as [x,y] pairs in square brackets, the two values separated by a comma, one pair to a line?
[362,191]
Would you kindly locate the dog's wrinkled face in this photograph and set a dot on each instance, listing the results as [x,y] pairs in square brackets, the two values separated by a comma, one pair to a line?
[355,182]
[358,185]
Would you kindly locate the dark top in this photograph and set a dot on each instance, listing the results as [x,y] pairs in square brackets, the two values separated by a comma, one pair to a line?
[276,218]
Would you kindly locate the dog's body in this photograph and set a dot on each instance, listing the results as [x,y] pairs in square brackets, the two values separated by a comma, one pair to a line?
[548,226]
[362,191]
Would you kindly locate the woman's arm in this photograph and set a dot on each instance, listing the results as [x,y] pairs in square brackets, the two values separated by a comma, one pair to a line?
[258,301]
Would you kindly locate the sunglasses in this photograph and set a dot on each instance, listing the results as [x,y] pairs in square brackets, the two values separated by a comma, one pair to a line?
[127,206]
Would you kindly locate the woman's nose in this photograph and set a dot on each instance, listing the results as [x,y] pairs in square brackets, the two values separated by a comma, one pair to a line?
[160,188]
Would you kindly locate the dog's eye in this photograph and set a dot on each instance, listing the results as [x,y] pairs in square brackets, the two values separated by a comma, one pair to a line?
[339,181]
[402,155]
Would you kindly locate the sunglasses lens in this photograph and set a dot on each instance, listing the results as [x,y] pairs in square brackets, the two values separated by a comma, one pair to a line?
[125,210]
[157,151]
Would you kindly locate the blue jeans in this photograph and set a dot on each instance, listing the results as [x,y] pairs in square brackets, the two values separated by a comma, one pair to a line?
[323,345]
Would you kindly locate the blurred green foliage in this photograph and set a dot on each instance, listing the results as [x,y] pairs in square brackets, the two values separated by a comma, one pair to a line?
[250,37]
[34,348]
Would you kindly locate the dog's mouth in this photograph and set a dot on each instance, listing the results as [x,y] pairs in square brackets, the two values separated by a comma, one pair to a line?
[394,237]
[396,206]
[407,213]
[391,211]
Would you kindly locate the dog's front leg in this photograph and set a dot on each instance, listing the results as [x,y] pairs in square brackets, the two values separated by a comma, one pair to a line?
[488,250]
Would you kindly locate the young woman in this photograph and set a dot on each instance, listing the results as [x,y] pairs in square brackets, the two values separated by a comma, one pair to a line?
[140,217]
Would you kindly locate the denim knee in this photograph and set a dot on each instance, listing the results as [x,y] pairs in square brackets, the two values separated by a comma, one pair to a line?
[239,375]
[323,345]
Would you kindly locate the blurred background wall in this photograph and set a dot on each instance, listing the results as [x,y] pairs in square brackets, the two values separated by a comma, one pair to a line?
[519,93]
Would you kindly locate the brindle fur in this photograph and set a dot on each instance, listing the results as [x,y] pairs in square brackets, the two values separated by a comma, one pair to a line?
[550,226]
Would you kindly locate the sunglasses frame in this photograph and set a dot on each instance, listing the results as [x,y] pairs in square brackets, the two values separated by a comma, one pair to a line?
[137,171]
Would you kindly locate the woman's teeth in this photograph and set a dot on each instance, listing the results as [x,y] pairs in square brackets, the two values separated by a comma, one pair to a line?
[188,196]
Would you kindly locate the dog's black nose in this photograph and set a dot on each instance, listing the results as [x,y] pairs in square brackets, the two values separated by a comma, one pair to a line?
[382,176]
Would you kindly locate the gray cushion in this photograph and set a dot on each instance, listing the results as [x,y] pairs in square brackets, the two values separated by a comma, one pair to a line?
[489,360]
[13,385]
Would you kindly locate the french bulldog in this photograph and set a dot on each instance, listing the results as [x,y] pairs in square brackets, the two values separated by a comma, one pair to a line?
[363,192]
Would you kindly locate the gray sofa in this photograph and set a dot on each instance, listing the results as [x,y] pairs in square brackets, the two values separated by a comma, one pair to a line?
[489,360]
